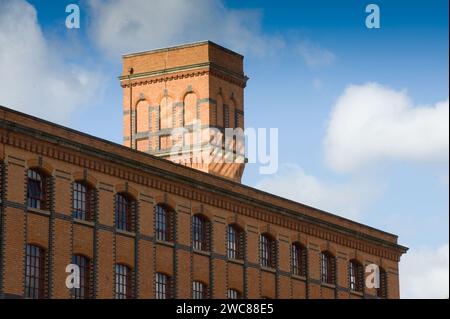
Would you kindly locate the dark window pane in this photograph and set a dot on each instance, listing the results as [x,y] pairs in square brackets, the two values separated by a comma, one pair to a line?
[84,291]
[82,201]
[123,282]
[35,272]
[199,290]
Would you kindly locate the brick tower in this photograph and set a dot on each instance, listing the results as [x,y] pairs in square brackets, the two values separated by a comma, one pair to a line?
[179,101]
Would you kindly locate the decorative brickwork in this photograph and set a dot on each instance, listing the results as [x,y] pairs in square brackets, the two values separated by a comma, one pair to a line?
[214,76]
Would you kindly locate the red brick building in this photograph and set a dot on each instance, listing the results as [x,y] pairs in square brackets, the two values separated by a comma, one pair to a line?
[140,226]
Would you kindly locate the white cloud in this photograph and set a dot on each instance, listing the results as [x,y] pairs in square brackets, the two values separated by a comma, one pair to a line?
[315,56]
[372,123]
[346,199]
[34,78]
[123,26]
[424,273]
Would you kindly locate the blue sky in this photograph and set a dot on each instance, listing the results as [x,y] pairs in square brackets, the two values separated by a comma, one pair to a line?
[301,57]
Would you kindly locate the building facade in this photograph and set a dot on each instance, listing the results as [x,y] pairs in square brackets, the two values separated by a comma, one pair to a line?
[141,226]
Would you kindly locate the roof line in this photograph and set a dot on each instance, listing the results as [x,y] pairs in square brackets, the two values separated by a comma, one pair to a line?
[6,109]
[181,46]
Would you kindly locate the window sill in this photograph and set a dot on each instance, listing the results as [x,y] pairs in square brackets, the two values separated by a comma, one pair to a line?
[125,233]
[298,277]
[236,261]
[84,222]
[201,252]
[165,243]
[268,269]
[332,286]
[38,211]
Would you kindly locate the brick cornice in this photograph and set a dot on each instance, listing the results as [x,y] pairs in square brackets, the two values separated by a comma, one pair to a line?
[189,71]
[91,158]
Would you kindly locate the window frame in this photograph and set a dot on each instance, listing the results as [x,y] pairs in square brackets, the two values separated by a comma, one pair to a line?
[235,242]
[123,282]
[233,294]
[200,232]
[84,263]
[355,275]
[163,224]
[35,272]
[298,259]
[199,290]
[163,286]
[327,268]
[382,291]
[37,196]
[267,253]
[82,195]
[124,212]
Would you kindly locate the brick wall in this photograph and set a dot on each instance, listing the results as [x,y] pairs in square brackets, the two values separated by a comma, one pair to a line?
[66,156]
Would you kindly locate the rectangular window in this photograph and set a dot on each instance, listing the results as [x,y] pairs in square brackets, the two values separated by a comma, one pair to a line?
[199,238]
[84,264]
[123,282]
[162,224]
[199,290]
[123,213]
[266,251]
[81,202]
[35,272]
[327,268]
[36,190]
[232,243]
[233,294]
[163,286]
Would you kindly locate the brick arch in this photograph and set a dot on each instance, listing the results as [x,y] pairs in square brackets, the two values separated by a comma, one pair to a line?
[235,220]
[331,249]
[165,200]
[81,251]
[186,92]
[83,176]
[127,189]
[44,166]
[202,210]
[162,95]
[139,100]
[163,271]
[266,229]
[38,243]
[300,239]
[122,261]
[353,255]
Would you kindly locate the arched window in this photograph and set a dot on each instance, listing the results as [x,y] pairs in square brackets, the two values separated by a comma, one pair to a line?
[125,211]
[200,232]
[382,291]
[83,201]
[123,282]
[327,268]
[163,223]
[163,289]
[199,290]
[35,273]
[356,276]
[298,257]
[84,292]
[233,294]
[37,190]
[235,242]
[267,251]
